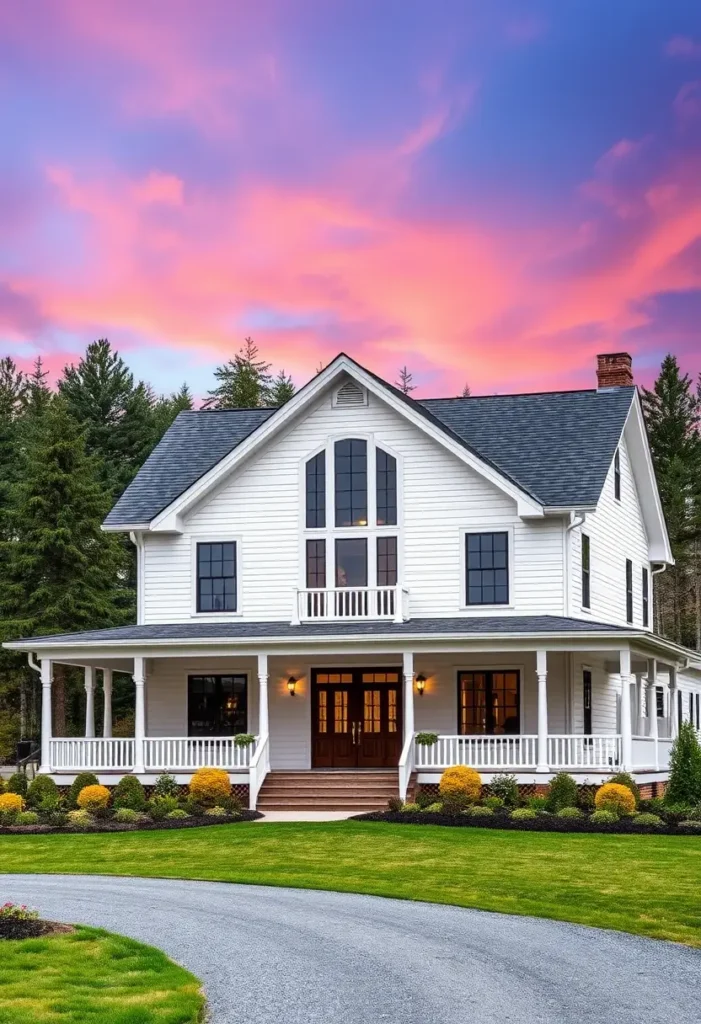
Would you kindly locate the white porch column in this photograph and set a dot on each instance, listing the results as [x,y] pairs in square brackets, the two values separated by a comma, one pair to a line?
[46,723]
[89,702]
[542,673]
[107,696]
[673,709]
[651,699]
[408,660]
[263,719]
[626,731]
[139,677]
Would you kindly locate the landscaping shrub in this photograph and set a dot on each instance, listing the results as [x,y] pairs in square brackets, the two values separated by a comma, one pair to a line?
[537,803]
[495,802]
[27,818]
[126,815]
[523,814]
[177,813]
[649,820]
[424,799]
[614,797]
[479,811]
[434,808]
[624,779]
[690,826]
[17,921]
[93,798]
[570,812]
[395,803]
[57,818]
[674,813]
[655,805]
[684,784]
[3,786]
[192,806]
[585,797]
[11,804]
[562,792]
[506,788]
[43,793]
[17,783]
[160,806]
[410,808]
[80,818]
[210,785]
[129,794]
[459,787]
[80,782]
[166,786]
[604,817]
[231,804]
[216,812]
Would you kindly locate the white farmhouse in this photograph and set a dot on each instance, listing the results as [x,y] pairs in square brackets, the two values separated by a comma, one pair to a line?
[336,576]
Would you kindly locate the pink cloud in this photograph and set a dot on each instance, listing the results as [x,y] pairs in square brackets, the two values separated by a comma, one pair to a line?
[687,103]
[683,46]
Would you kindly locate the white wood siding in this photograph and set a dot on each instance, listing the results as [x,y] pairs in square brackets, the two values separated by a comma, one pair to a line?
[617,532]
[262,504]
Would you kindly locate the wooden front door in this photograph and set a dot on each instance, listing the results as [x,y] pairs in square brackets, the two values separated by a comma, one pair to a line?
[356,718]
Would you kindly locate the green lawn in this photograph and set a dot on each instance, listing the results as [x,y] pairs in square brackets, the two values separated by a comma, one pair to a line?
[650,885]
[94,976]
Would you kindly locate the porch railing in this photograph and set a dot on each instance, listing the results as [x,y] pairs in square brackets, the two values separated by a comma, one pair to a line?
[259,768]
[584,751]
[177,753]
[351,603]
[491,752]
[91,754]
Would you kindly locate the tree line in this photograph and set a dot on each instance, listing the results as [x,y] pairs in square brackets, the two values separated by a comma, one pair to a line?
[66,454]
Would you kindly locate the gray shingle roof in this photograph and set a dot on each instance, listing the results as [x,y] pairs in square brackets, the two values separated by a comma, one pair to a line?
[467,627]
[556,446]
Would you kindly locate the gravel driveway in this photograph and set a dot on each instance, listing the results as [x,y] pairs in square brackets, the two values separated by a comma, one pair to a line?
[269,955]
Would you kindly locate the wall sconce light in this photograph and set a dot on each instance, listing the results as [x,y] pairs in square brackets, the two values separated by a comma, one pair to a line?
[291,685]
[420,684]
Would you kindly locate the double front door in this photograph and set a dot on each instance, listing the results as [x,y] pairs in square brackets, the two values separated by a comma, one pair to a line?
[356,718]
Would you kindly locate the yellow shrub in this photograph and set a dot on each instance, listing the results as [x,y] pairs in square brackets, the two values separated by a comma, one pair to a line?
[209,785]
[460,783]
[613,797]
[11,802]
[93,798]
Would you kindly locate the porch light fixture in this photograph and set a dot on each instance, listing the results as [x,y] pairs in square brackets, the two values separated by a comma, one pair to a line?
[291,684]
[420,684]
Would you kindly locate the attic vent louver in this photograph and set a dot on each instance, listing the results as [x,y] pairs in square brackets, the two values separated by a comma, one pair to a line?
[349,394]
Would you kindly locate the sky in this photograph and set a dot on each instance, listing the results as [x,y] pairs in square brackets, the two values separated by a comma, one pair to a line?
[487,193]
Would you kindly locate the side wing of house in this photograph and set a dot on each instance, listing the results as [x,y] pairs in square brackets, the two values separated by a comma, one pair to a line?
[260,508]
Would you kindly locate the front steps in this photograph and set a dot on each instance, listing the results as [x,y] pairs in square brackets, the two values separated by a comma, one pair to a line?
[328,791]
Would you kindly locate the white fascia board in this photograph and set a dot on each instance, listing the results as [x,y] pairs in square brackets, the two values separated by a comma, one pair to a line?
[170,519]
[636,438]
[126,528]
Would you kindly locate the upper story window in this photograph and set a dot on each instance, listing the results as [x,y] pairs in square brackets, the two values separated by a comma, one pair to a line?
[617,475]
[386,489]
[586,571]
[487,568]
[646,597]
[351,482]
[629,590]
[316,491]
[216,577]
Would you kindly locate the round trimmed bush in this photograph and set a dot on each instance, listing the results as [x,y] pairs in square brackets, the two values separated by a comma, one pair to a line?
[129,794]
[216,812]
[80,818]
[161,806]
[409,808]
[28,818]
[523,814]
[562,792]
[177,813]
[459,787]
[495,802]
[126,816]
[505,787]
[93,798]
[614,797]
[570,812]
[11,803]
[80,782]
[166,786]
[434,808]
[17,783]
[43,793]
[604,817]
[480,812]
[648,820]
[624,779]
[208,785]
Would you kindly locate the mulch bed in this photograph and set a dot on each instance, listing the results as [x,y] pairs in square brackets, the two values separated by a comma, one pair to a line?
[139,826]
[543,823]
[35,929]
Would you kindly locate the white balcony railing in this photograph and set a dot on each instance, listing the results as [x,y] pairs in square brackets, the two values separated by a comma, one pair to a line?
[177,753]
[93,754]
[351,603]
[495,753]
[584,751]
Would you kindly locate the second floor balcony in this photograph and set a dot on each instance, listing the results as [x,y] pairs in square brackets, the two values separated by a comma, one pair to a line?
[350,603]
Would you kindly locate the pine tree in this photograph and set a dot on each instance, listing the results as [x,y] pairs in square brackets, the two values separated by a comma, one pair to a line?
[38,392]
[13,389]
[684,786]
[243,382]
[167,407]
[406,381]
[466,393]
[281,390]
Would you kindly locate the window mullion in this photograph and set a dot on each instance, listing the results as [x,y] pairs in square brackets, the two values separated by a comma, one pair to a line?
[372,483]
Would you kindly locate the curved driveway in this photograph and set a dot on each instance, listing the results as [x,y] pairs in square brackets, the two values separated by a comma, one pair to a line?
[268,956]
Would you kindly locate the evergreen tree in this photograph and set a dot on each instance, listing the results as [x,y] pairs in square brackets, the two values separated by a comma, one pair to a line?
[466,393]
[167,407]
[242,383]
[13,389]
[684,786]
[38,392]
[406,381]
[281,390]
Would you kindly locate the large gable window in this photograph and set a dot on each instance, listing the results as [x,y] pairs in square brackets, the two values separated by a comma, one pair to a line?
[316,491]
[386,489]
[351,483]
[487,568]
[216,577]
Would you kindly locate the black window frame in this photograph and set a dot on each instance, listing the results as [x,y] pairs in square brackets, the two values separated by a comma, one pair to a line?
[659,701]
[587,701]
[477,575]
[586,571]
[490,704]
[201,579]
[680,707]
[646,596]
[315,491]
[617,475]
[629,590]
[385,488]
[242,711]
[351,470]
[315,563]
[387,565]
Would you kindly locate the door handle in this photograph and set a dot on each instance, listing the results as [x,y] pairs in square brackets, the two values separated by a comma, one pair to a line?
[353,732]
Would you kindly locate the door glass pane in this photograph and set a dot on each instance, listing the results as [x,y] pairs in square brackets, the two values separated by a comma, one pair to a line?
[392,710]
[352,563]
[340,711]
[372,711]
[322,711]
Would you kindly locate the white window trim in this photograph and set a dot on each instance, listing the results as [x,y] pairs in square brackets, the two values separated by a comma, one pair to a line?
[484,609]
[216,539]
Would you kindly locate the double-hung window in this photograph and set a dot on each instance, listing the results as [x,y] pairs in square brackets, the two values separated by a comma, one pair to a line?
[487,568]
[646,597]
[586,571]
[629,590]
[216,577]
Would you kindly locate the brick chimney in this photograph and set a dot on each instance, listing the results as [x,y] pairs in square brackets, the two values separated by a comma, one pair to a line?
[614,370]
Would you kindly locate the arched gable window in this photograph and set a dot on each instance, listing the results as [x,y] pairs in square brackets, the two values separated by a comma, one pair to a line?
[386,471]
[351,482]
